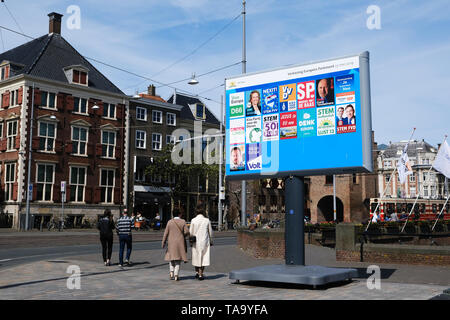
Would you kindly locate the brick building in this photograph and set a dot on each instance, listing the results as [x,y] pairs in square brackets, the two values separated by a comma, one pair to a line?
[152,123]
[78,132]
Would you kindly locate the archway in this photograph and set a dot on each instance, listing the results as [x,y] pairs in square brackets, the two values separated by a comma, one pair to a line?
[325,209]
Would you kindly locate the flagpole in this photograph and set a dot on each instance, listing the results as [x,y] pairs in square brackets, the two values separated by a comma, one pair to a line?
[428,176]
[443,207]
[442,210]
[389,182]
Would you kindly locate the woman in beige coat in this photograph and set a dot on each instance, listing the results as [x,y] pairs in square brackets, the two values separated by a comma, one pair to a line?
[201,229]
[175,233]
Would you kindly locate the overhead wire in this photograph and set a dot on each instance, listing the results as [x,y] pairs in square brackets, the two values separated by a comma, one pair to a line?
[117,68]
[13,17]
[198,48]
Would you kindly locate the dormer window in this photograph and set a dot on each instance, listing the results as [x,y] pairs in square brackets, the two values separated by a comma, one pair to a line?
[4,72]
[200,111]
[77,74]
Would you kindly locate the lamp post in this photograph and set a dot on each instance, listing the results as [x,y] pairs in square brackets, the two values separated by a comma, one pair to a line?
[29,186]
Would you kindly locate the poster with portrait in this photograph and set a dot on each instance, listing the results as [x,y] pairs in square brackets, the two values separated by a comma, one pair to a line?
[253,103]
[348,122]
[237,158]
[324,92]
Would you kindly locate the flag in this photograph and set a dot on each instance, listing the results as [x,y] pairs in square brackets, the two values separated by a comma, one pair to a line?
[442,161]
[403,166]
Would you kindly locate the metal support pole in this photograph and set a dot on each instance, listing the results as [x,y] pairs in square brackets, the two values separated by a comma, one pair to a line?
[30,149]
[294,228]
[334,197]
[219,225]
[244,70]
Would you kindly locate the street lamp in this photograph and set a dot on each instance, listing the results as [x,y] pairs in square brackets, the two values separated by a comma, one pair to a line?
[193,81]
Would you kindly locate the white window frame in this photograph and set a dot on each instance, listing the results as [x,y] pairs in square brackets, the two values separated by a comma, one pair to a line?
[79,141]
[139,175]
[141,109]
[47,184]
[109,145]
[14,98]
[141,142]
[412,178]
[170,139]
[154,113]
[11,133]
[77,106]
[47,102]
[47,137]
[10,179]
[171,123]
[108,110]
[109,188]
[75,185]
[159,141]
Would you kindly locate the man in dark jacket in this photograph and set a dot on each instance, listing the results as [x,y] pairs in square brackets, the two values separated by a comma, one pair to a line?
[106,227]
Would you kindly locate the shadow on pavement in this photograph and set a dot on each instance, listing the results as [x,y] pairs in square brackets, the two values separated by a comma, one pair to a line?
[281,285]
[384,273]
[126,269]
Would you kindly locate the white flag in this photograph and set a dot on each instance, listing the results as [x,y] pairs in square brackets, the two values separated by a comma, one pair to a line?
[442,161]
[403,166]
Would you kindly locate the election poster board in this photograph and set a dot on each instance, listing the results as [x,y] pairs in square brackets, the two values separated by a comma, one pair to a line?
[310,119]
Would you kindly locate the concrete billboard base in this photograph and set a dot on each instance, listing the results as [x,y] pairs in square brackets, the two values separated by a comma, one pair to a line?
[296,274]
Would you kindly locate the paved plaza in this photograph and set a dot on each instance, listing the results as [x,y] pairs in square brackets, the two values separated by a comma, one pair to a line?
[148,278]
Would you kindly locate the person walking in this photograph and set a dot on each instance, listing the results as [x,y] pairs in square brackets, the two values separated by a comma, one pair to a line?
[175,235]
[106,226]
[124,225]
[201,229]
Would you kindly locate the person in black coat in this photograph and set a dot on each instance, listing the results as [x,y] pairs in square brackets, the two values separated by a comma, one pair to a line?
[106,226]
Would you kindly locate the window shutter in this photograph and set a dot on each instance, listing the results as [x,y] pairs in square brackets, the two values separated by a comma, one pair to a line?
[56,192]
[97,194]
[60,101]
[119,111]
[67,192]
[58,145]
[35,143]
[17,142]
[118,152]
[5,102]
[68,147]
[75,76]
[6,71]
[88,195]
[117,195]
[20,96]
[69,103]
[2,193]
[83,77]
[37,97]
[15,191]
[98,150]
[34,192]
[3,145]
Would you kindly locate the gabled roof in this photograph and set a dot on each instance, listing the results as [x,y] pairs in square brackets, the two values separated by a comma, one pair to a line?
[47,56]
[414,147]
[186,112]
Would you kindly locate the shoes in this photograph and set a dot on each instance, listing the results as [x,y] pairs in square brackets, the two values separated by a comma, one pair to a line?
[106,263]
[120,265]
[176,278]
[197,275]
[127,262]
[200,278]
[171,276]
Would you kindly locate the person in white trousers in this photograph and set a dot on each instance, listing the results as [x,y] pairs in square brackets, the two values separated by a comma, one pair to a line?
[201,229]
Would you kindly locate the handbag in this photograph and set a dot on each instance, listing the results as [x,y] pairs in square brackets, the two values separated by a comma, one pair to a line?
[192,240]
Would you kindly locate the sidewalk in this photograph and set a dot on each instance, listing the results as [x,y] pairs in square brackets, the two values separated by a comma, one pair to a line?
[148,278]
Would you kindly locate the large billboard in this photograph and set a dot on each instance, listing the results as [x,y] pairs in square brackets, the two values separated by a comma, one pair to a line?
[308,119]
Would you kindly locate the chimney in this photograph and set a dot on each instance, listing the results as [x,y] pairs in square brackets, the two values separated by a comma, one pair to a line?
[54,24]
[151,90]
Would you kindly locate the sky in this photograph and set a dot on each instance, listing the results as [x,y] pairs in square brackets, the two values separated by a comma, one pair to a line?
[409,52]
